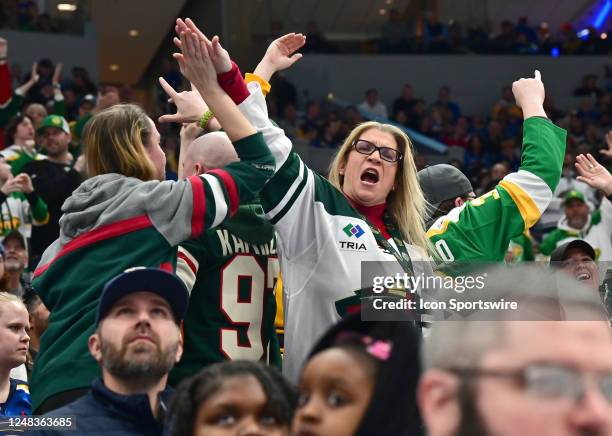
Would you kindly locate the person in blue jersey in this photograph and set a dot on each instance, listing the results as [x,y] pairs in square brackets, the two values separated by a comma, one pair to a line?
[14,341]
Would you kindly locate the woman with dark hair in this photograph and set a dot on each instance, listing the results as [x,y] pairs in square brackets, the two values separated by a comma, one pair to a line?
[233,398]
[125,215]
[20,133]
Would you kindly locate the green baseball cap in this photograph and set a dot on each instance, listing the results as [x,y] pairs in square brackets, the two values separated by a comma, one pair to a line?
[54,121]
[573,194]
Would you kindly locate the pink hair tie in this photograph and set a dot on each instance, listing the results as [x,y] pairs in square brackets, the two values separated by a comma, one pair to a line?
[380,349]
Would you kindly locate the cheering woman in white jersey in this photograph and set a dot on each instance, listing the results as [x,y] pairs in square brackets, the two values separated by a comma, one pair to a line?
[370,209]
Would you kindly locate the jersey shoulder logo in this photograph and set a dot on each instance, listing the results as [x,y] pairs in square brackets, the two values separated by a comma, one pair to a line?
[353,232]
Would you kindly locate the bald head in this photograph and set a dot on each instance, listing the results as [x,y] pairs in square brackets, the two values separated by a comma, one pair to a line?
[210,151]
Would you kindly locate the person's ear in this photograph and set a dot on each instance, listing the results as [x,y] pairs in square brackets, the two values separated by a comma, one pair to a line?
[459,201]
[438,402]
[199,169]
[95,347]
[179,348]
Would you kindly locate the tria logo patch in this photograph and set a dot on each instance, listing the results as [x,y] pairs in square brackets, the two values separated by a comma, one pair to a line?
[355,246]
[351,230]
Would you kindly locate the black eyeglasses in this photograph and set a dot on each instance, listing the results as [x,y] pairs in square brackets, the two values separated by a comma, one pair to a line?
[548,380]
[386,153]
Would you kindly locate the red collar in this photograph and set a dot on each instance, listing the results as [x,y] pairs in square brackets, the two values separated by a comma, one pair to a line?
[374,214]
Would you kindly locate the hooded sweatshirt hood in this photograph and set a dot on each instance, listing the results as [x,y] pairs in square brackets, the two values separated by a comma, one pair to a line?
[97,201]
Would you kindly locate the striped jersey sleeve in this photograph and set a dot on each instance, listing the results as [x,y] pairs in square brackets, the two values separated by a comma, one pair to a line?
[481,229]
[205,201]
[288,198]
[187,265]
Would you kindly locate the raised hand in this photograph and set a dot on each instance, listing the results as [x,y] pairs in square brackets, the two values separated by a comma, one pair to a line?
[57,75]
[529,95]
[10,186]
[190,105]
[220,57]
[186,26]
[280,55]
[196,64]
[608,152]
[25,182]
[34,74]
[23,89]
[593,173]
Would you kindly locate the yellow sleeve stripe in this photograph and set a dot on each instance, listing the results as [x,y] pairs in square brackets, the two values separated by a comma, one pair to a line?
[42,222]
[265,86]
[451,217]
[525,204]
[434,232]
[278,292]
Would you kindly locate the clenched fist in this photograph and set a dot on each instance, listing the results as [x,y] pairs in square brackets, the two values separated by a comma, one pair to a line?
[529,95]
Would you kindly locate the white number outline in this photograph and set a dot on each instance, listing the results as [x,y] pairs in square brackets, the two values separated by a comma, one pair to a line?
[229,335]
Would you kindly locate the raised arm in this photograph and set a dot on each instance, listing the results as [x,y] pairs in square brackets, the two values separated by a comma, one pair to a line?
[180,212]
[197,65]
[280,55]
[481,229]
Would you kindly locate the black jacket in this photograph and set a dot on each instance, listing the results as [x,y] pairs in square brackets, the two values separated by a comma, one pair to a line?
[102,411]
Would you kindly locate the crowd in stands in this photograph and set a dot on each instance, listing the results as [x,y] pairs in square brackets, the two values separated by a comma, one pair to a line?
[135,208]
[485,139]
[399,35]
[25,15]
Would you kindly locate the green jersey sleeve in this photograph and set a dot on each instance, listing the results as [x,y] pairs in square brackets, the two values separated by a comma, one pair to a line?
[481,229]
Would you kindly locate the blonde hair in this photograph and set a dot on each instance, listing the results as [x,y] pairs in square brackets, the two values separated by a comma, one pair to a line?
[8,297]
[406,204]
[114,141]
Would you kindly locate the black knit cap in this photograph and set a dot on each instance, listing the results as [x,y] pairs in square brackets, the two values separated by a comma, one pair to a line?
[443,182]
[393,407]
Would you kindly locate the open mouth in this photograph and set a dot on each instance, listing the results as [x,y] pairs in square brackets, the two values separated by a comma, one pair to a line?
[370,176]
[583,276]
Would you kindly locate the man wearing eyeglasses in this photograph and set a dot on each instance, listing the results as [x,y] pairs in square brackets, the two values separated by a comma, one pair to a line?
[464,228]
[543,370]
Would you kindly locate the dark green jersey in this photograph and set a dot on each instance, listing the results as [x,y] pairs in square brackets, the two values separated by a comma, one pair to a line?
[232,272]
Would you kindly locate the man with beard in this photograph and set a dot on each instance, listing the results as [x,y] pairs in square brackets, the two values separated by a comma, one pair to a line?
[16,262]
[543,369]
[137,341]
[53,178]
